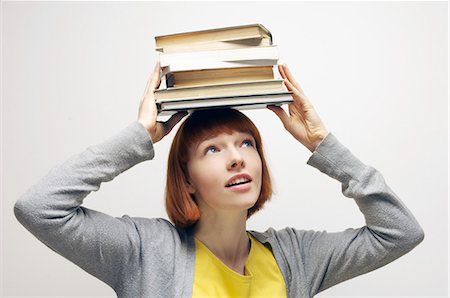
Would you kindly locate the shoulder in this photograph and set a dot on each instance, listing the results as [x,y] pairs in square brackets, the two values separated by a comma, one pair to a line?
[285,234]
[290,239]
[159,231]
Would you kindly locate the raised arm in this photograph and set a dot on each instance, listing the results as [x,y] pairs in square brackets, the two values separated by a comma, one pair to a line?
[319,260]
[390,229]
[51,209]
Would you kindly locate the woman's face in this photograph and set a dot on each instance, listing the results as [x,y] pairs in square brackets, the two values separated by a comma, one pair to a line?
[225,172]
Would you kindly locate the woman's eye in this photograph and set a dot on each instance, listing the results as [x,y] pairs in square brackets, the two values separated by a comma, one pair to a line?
[248,143]
[211,149]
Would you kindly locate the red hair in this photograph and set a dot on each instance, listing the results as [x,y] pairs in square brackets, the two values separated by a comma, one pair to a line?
[180,204]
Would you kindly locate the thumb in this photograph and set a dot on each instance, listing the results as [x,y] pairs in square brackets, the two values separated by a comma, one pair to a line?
[284,117]
[169,124]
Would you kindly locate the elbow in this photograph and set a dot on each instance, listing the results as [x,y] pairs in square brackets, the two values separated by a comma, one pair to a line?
[21,209]
[25,211]
[402,240]
[413,236]
[417,235]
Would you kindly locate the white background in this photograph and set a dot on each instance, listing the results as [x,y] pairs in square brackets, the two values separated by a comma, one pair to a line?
[73,74]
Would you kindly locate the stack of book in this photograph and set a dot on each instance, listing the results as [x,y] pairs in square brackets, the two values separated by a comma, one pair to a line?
[224,67]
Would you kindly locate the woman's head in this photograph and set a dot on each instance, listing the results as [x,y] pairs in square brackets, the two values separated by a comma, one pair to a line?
[213,150]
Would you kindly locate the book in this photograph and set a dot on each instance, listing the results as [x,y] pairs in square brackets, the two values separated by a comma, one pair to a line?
[217,90]
[254,56]
[238,102]
[218,76]
[215,39]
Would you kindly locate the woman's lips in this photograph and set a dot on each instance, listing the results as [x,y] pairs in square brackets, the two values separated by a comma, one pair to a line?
[240,187]
[239,179]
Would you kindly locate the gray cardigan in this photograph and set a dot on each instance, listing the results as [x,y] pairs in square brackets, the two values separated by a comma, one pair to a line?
[141,257]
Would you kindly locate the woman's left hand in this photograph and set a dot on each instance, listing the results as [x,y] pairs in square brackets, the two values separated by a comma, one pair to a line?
[302,122]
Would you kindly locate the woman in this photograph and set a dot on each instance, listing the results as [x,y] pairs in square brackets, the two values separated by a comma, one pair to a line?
[217,178]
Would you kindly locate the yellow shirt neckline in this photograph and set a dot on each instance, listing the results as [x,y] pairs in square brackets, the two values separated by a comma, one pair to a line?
[263,278]
[243,278]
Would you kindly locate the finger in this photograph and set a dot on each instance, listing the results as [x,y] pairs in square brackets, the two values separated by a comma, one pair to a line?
[153,81]
[147,87]
[156,77]
[293,88]
[290,86]
[287,72]
[281,70]
[169,124]
[296,93]
[285,119]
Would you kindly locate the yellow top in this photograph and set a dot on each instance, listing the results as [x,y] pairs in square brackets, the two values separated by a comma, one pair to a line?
[263,278]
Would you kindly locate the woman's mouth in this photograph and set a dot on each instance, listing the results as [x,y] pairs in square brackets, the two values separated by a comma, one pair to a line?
[240,182]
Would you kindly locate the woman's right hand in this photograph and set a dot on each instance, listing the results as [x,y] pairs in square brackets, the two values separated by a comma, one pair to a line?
[148,111]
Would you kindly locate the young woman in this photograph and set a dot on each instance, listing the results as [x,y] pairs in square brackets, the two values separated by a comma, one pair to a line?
[217,177]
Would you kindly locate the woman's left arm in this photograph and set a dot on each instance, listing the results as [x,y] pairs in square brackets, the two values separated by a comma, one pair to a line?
[390,231]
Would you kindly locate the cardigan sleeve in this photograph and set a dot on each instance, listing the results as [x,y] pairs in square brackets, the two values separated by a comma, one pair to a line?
[326,259]
[51,209]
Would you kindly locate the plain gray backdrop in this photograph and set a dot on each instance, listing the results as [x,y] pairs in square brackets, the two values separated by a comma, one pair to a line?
[73,74]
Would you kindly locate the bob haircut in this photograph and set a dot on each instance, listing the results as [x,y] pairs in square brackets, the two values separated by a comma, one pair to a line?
[200,125]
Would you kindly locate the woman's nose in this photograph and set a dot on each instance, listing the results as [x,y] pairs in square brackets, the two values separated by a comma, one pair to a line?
[236,160]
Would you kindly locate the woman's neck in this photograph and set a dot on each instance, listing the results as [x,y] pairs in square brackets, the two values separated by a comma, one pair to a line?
[226,237]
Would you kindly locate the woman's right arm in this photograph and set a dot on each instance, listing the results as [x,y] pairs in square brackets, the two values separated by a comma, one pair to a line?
[52,211]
